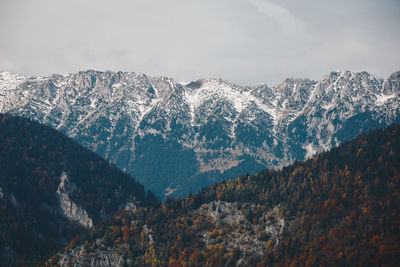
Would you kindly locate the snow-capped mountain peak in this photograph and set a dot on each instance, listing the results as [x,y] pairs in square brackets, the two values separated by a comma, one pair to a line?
[182,136]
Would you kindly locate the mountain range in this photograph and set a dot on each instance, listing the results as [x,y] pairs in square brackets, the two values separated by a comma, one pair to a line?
[177,137]
[339,208]
[52,189]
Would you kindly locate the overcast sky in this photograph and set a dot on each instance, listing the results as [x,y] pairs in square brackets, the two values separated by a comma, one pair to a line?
[242,41]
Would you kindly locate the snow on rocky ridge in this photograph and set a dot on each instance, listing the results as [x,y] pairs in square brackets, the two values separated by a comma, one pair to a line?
[182,136]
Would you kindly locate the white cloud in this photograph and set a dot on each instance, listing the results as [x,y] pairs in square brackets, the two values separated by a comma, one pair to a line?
[287,21]
[243,41]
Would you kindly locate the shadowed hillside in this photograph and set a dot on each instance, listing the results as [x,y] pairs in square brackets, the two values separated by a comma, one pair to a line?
[52,189]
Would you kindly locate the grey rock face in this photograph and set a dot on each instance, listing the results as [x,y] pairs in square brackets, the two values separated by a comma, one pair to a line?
[223,212]
[176,138]
[392,85]
[68,208]
[239,233]
[101,256]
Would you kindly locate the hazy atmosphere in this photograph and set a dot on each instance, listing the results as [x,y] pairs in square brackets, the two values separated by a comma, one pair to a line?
[243,41]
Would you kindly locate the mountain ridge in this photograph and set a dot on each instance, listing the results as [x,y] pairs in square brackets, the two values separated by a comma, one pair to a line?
[218,129]
[338,208]
[51,189]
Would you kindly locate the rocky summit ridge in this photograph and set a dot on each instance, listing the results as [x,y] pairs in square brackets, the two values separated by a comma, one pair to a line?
[178,137]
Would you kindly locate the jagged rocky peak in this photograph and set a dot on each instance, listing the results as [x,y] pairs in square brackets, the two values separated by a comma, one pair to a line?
[126,117]
[294,93]
[165,87]
[348,82]
[9,80]
[337,87]
[104,84]
[222,94]
[392,85]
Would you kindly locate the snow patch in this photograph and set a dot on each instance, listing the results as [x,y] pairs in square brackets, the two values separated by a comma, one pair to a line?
[310,150]
[241,98]
[169,191]
[327,106]
[381,99]
[330,127]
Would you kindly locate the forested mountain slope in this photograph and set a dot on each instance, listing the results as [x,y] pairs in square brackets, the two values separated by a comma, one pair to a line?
[340,208]
[51,189]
